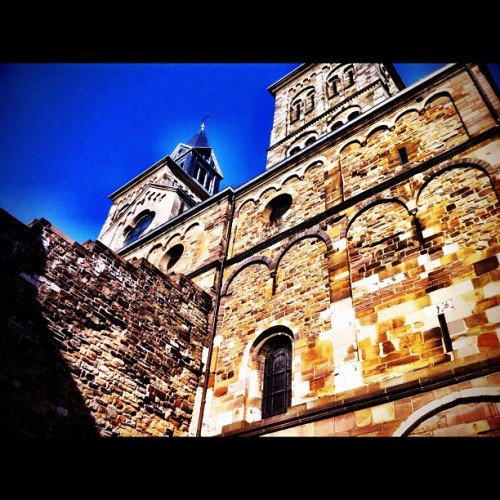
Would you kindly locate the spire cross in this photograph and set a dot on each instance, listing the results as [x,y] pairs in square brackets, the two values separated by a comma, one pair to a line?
[203,120]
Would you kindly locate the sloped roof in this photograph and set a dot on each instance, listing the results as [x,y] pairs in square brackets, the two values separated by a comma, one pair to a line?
[199,140]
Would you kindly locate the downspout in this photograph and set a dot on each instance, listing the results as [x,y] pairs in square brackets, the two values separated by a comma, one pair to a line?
[482,93]
[215,315]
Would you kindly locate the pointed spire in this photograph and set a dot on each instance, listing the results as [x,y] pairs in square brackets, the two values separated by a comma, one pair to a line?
[200,140]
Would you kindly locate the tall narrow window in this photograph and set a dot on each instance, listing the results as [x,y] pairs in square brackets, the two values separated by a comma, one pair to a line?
[403,156]
[310,101]
[295,111]
[277,390]
[333,86]
[349,76]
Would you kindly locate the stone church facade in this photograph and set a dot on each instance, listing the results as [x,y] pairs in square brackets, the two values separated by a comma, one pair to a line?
[351,289]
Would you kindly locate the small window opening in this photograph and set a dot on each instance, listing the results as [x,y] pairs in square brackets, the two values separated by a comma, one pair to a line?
[174,255]
[403,156]
[279,206]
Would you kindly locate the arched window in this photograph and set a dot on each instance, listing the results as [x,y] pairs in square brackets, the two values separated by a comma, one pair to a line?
[173,255]
[310,101]
[294,150]
[333,86]
[295,111]
[336,125]
[353,115]
[278,206]
[310,141]
[142,223]
[277,389]
[349,76]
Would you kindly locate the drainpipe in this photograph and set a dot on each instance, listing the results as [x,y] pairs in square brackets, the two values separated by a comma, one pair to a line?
[490,107]
[216,315]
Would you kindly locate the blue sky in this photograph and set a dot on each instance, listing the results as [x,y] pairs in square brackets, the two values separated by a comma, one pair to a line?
[73,133]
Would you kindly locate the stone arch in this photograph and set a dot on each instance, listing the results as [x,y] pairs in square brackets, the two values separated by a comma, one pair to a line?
[367,204]
[152,250]
[258,259]
[194,228]
[351,142]
[377,127]
[461,202]
[312,165]
[407,111]
[432,173]
[302,271]
[245,202]
[475,394]
[377,130]
[290,178]
[311,233]
[172,238]
[267,190]
[436,95]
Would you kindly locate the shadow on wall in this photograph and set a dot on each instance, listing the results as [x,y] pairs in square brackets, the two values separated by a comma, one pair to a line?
[37,394]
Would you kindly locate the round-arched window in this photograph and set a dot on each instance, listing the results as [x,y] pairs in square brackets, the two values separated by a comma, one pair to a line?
[278,207]
[143,221]
[173,255]
[310,141]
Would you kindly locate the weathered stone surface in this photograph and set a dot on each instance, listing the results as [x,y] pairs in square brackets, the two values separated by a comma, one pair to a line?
[57,381]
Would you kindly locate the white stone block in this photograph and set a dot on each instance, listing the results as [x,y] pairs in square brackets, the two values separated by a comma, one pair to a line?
[223,419]
[428,232]
[301,389]
[347,376]
[493,314]
[422,259]
[447,249]
[461,302]
[463,287]
[415,316]
[431,265]
[463,342]
[240,385]
[342,319]
[326,313]
[442,294]
[430,311]
[340,244]
[368,331]
[491,289]
[396,311]
[467,351]
[341,276]
[445,306]
[460,313]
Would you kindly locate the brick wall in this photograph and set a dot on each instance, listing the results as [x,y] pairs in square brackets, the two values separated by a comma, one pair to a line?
[91,344]
[203,239]
[395,283]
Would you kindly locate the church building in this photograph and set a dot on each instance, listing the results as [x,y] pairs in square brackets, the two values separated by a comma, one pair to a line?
[350,289]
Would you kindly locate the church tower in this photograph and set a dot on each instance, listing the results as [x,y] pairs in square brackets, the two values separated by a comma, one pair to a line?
[315,100]
[179,181]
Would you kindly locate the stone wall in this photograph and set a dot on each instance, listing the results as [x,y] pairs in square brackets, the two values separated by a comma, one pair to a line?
[91,344]
[385,276]
[202,239]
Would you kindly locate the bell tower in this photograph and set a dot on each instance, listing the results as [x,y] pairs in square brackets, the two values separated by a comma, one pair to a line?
[315,100]
[177,182]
